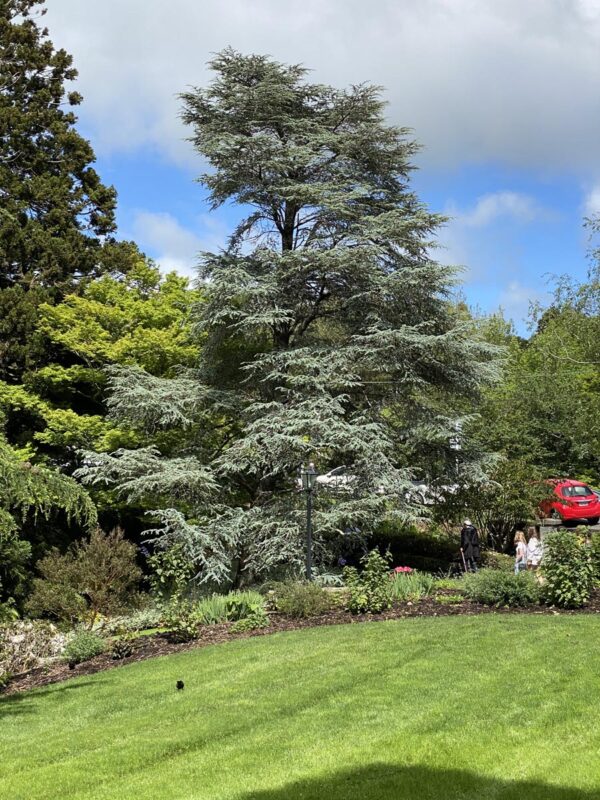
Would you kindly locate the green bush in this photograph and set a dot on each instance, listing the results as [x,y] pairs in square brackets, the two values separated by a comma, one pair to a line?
[83,646]
[493,587]
[491,559]
[182,621]
[170,573]
[449,583]
[140,620]
[568,569]
[257,618]
[370,590]
[242,605]
[301,600]
[430,549]
[595,556]
[97,576]
[412,585]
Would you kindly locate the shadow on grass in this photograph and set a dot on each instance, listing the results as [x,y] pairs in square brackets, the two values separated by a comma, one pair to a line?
[390,782]
[26,702]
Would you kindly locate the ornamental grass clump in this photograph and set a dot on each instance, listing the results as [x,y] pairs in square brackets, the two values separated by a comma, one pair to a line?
[493,587]
[568,569]
[411,585]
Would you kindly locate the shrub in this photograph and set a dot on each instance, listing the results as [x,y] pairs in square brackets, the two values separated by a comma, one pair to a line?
[242,605]
[97,576]
[300,600]
[491,559]
[170,573]
[430,549]
[181,619]
[83,646]
[27,644]
[212,610]
[256,619]
[595,556]
[411,585]
[496,588]
[371,590]
[140,620]
[568,569]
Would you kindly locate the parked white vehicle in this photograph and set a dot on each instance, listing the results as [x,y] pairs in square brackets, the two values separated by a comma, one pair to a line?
[337,478]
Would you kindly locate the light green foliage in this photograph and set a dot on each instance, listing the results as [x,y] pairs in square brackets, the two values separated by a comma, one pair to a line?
[595,556]
[83,646]
[494,587]
[257,618]
[301,600]
[567,568]
[371,589]
[491,559]
[412,585]
[449,599]
[330,334]
[449,583]
[98,576]
[545,410]
[181,620]
[170,572]
[413,692]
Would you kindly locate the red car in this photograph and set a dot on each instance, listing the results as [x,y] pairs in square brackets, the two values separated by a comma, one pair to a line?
[574,501]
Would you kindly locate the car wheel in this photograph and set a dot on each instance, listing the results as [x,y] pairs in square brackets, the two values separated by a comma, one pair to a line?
[593,520]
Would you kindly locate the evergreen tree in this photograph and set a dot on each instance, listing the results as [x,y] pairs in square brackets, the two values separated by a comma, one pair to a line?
[55,213]
[330,331]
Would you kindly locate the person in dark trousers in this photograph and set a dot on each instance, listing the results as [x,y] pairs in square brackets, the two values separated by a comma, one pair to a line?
[469,545]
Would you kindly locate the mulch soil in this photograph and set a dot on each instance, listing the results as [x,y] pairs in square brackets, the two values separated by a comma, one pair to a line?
[159,644]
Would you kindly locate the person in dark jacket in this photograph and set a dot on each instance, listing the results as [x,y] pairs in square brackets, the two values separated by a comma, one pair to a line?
[469,545]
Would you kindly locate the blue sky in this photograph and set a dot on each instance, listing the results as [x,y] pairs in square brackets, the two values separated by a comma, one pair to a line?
[502,94]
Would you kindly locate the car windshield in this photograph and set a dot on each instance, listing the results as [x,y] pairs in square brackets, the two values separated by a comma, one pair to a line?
[576,491]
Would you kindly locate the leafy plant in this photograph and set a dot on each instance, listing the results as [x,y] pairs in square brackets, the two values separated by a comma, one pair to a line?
[83,646]
[491,559]
[412,585]
[568,569]
[494,587]
[371,589]
[449,583]
[97,576]
[181,619]
[139,620]
[170,572]
[257,618]
[449,599]
[122,647]
[241,605]
[300,599]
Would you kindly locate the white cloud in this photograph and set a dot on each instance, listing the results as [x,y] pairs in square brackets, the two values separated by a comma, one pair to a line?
[172,245]
[516,300]
[591,205]
[489,207]
[477,79]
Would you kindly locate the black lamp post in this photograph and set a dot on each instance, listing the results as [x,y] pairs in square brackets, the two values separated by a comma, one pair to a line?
[309,481]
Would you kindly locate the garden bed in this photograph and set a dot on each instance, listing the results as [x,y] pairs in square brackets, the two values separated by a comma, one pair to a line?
[145,647]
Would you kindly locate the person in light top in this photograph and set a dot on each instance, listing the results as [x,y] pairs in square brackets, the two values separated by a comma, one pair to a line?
[520,552]
[534,550]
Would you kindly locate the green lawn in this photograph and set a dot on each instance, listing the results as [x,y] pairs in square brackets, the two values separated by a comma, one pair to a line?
[483,708]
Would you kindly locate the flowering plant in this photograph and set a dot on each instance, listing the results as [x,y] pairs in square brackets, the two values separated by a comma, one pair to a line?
[402,569]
